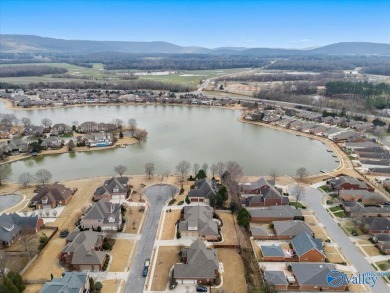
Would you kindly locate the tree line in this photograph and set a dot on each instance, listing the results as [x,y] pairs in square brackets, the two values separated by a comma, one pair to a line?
[30,70]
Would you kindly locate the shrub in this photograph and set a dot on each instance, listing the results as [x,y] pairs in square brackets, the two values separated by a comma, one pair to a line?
[99,229]
[181,191]
[188,201]
[180,203]
[171,202]
[98,286]
[178,234]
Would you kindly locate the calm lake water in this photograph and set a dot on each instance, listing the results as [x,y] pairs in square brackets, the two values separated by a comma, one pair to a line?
[8,200]
[196,134]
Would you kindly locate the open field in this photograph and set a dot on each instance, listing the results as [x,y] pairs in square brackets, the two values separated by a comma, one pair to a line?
[166,258]
[228,229]
[97,73]
[233,275]
[120,254]
[134,218]
[169,226]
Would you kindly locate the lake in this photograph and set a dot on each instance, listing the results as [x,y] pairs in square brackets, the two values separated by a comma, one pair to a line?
[196,134]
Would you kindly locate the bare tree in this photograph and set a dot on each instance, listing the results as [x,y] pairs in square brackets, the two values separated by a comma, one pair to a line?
[71,145]
[140,134]
[120,169]
[205,167]
[273,173]
[25,179]
[182,168]
[4,263]
[214,169]
[221,167]
[195,167]
[43,176]
[132,125]
[26,121]
[301,173]
[149,169]
[298,192]
[5,171]
[27,241]
[165,174]
[235,170]
[75,123]
[54,213]
[46,122]
[118,122]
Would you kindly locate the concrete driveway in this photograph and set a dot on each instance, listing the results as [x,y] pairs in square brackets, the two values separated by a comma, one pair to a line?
[312,198]
[157,195]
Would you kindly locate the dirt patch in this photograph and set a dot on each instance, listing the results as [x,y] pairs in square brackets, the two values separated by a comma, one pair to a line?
[371,250]
[234,274]
[110,286]
[35,288]
[310,220]
[166,258]
[228,229]
[134,219]
[169,225]
[120,255]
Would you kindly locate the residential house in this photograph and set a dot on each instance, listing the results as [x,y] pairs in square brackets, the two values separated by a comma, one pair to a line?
[285,122]
[61,128]
[198,221]
[262,193]
[70,282]
[382,163]
[277,279]
[329,120]
[330,132]
[307,248]
[262,233]
[53,195]
[346,136]
[382,242]
[82,251]
[103,214]
[313,277]
[356,209]
[52,142]
[307,127]
[114,188]
[272,253]
[33,130]
[348,182]
[319,129]
[203,189]
[365,196]
[199,265]
[273,213]
[375,225]
[295,125]
[11,225]
[360,145]
[290,229]
[88,126]
[98,139]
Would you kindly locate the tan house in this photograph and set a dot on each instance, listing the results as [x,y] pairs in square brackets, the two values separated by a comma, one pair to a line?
[53,195]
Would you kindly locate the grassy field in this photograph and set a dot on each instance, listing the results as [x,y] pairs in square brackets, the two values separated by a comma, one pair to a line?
[97,73]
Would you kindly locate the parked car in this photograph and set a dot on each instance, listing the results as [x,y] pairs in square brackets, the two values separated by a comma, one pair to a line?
[64,233]
[146,268]
[201,289]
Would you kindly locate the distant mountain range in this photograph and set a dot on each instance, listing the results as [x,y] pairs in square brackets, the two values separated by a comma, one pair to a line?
[36,44]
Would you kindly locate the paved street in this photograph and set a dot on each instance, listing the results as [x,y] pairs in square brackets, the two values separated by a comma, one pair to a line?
[313,199]
[157,196]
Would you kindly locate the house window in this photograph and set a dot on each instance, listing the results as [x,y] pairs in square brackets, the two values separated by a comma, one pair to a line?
[115,190]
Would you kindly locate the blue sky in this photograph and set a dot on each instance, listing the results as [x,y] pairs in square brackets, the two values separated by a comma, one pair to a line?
[213,23]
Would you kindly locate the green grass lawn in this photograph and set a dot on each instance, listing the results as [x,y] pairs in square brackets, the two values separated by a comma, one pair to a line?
[335,209]
[298,205]
[325,188]
[339,214]
[383,265]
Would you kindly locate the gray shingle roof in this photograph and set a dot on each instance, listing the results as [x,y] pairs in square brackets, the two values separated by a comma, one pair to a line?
[274,211]
[291,228]
[275,278]
[71,282]
[304,242]
[312,274]
[119,183]
[200,217]
[201,262]
[204,188]
[271,250]
[103,210]
[259,231]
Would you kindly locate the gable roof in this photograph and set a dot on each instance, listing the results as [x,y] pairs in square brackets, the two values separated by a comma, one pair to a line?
[291,228]
[303,243]
[204,188]
[8,228]
[377,223]
[119,183]
[200,218]
[53,193]
[71,282]
[283,211]
[312,274]
[275,278]
[202,262]
[259,231]
[338,182]
[258,184]
[103,210]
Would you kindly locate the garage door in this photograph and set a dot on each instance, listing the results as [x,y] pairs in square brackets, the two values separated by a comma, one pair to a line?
[189,281]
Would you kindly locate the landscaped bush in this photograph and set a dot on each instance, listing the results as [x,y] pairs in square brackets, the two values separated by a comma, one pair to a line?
[188,201]
[178,234]
[171,202]
[180,203]
[329,202]
[181,191]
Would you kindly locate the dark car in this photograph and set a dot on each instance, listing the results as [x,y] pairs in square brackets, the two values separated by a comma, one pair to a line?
[201,289]
[64,233]
[146,268]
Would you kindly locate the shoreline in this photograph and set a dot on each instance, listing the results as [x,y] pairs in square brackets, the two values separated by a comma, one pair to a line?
[330,144]
[10,106]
